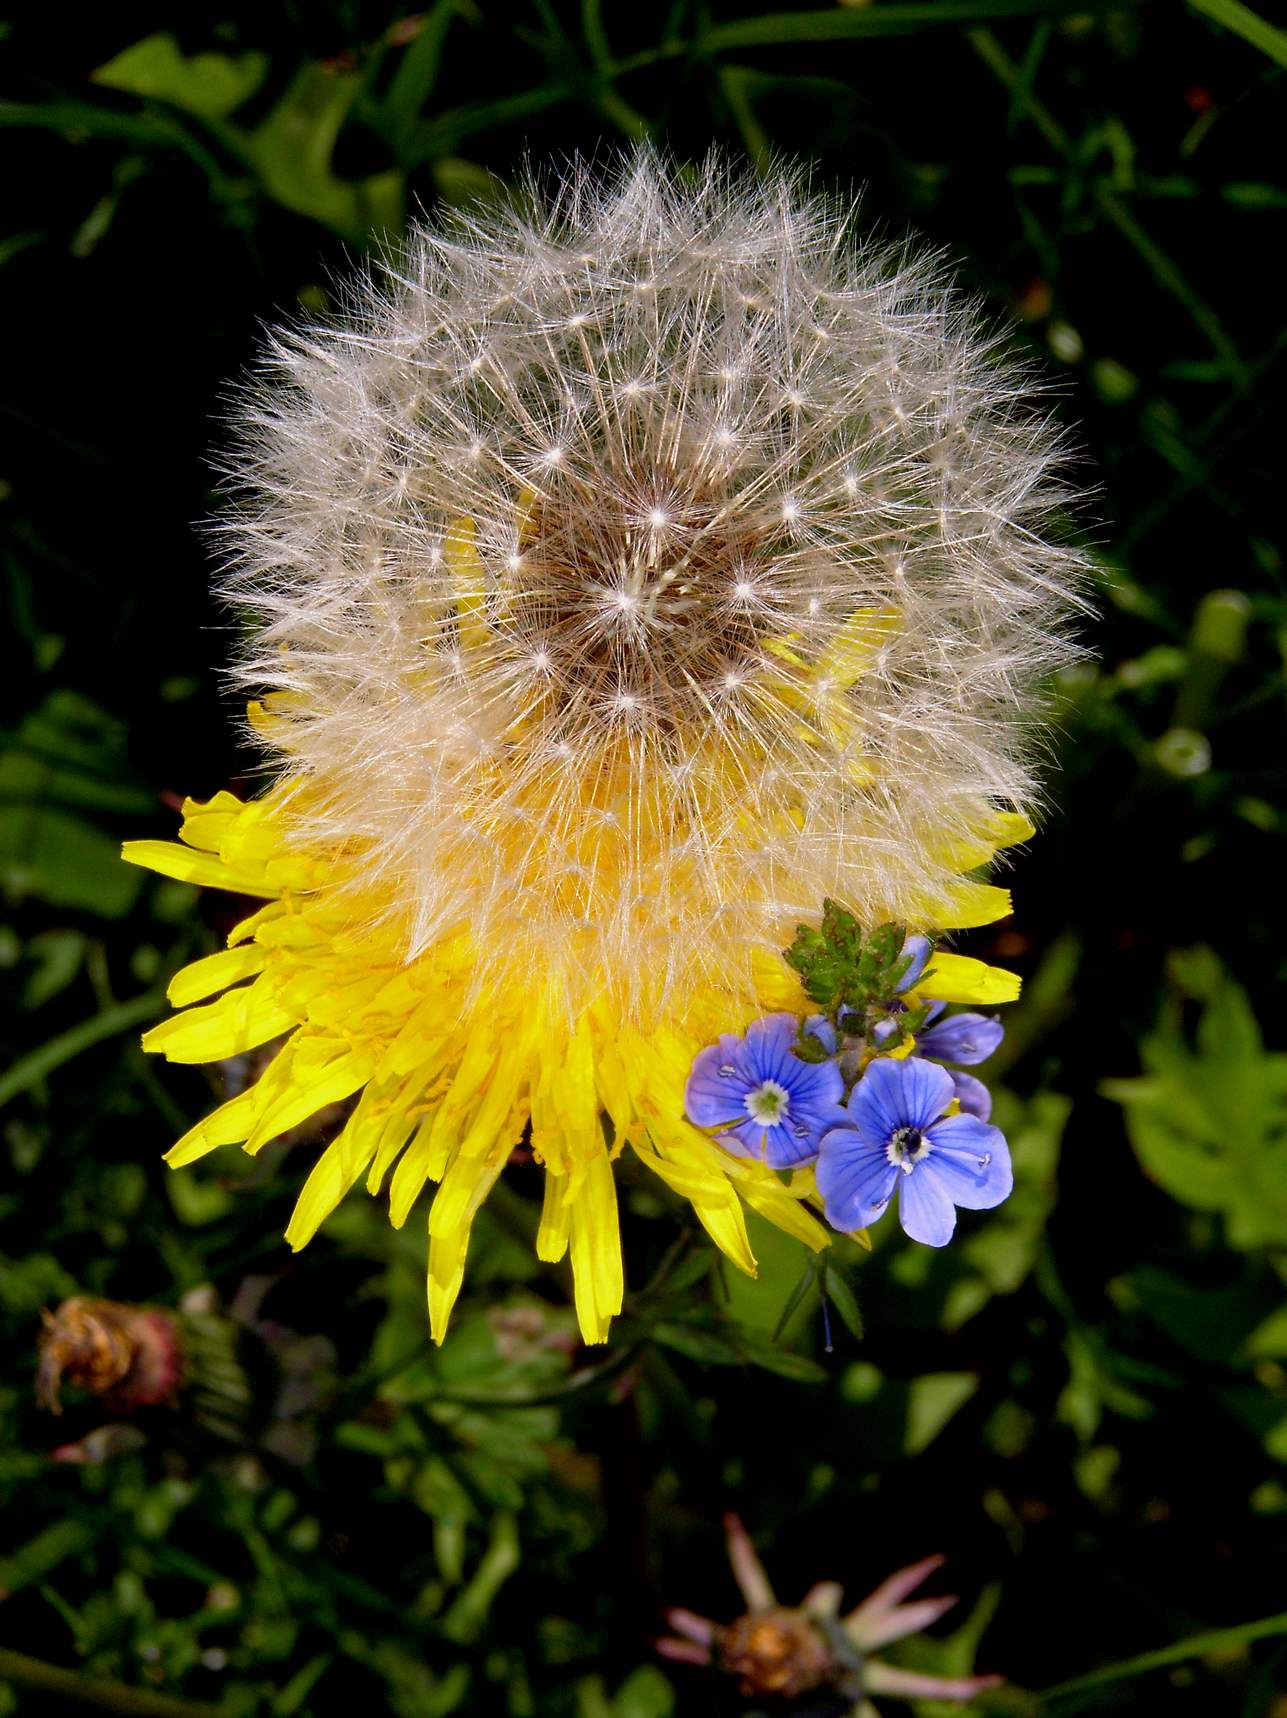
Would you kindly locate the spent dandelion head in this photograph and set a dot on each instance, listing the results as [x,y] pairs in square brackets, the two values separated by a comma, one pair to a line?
[626,569]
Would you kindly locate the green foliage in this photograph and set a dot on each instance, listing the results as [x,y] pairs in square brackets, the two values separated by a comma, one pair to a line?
[210,85]
[1209,1120]
[839,968]
[853,977]
[1084,1398]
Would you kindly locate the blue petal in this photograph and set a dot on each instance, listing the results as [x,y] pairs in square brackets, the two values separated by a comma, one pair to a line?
[816,1088]
[918,950]
[972,1095]
[884,1030]
[964,1038]
[970,1161]
[819,1027]
[746,1138]
[777,1146]
[768,1048]
[784,1148]
[925,1207]
[854,1178]
[894,1094]
[710,1098]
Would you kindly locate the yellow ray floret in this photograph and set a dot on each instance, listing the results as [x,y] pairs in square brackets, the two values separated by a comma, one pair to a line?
[446,1080]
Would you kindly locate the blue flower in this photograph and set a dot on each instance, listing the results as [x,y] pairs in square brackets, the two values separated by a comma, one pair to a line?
[967,1038]
[898,1138]
[916,951]
[819,1027]
[961,1038]
[765,1101]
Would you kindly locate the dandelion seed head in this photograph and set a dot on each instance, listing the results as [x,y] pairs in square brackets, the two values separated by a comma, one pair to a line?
[551,545]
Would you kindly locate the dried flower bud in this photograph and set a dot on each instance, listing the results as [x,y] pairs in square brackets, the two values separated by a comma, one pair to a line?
[128,1356]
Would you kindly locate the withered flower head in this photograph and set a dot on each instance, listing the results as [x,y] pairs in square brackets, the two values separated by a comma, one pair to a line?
[127,1356]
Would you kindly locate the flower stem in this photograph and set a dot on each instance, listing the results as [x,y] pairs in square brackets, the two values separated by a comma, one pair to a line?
[93,1691]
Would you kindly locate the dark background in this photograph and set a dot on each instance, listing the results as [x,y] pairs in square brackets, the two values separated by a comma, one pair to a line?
[1084,1402]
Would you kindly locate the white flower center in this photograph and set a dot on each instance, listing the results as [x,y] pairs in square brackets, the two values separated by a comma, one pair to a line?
[768,1103]
[906,1147]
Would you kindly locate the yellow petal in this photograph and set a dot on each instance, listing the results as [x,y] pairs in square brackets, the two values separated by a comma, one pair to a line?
[552,1236]
[766,1194]
[971,904]
[958,978]
[400,1118]
[853,647]
[240,1020]
[597,1278]
[227,1125]
[210,823]
[201,978]
[469,583]
[332,1176]
[207,869]
[708,1190]
[310,1092]
[465,1186]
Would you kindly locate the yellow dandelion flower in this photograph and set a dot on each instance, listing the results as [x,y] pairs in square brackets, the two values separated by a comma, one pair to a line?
[625,578]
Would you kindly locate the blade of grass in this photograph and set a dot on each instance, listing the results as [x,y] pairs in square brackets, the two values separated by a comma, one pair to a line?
[738,84]
[898,18]
[1247,24]
[38,1064]
[614,105]
[147,129]
[1026,80]
[441,135]
[1155,259]
[417,74]
[1167,274]
[1195,1646]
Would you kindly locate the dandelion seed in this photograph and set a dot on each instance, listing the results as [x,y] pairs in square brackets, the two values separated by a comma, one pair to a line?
[495,896]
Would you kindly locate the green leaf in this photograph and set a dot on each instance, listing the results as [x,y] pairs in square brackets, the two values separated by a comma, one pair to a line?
[53,959]
[468,1614]
[291,1698]
[932,1400]
[293,150]
[696,1342]
[1209,1124]
[760,1351]
[211,85]
[1188,1168]
[57,857]
[66,758]
[843,1298]
[645,1693]
[1269,1339]
[40,1556]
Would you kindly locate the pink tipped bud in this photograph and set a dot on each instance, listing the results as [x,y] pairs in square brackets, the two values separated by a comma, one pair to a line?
[748,1571]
